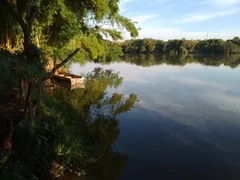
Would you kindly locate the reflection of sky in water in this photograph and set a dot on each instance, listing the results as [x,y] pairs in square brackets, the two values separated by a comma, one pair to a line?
[186,123]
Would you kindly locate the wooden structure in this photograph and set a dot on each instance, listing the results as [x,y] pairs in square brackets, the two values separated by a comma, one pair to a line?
[69,78]
[69,81]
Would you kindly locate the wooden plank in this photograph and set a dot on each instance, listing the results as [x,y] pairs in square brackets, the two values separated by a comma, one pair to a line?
[70,78]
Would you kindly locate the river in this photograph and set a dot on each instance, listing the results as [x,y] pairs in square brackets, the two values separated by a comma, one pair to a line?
[186,123]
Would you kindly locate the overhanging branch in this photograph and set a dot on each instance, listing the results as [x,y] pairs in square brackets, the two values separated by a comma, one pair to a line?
[58,66]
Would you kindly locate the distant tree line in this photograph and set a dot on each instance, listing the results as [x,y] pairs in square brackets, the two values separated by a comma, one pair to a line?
[183,46]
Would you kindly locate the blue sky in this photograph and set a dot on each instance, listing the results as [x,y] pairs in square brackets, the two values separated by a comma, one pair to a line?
[191,19]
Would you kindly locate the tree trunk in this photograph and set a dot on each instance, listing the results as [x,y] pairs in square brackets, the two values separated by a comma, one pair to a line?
[28,98]
[36,109]
[21,87]
[29,48]
[6,143]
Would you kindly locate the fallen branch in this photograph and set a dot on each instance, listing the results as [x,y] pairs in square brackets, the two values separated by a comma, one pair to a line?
[58,66]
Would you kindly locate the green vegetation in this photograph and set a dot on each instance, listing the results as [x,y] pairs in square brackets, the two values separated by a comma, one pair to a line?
[57,28]
[75,129]
[43,134]
[176,47]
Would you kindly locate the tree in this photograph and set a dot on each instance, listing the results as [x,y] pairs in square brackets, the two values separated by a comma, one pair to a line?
[230,47]
[173,47]
[62,29]
[150,44]
[236,40]
[210,46]
[160,46]
[142,49]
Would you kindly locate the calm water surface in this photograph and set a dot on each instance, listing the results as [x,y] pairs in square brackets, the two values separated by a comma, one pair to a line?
[186,124]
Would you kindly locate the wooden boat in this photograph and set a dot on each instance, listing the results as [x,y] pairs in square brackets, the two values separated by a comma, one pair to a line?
[69,78]
[70,86]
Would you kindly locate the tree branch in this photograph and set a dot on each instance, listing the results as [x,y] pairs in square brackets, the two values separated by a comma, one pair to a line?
[28,98]
[63,63]
[13,5]
[31,16]
[57,66]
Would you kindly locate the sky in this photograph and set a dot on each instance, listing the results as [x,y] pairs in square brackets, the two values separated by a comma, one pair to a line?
[177,19]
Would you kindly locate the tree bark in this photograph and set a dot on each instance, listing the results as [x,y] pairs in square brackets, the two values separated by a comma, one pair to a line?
[21,87]
[29,47]
[36,109]
[13,5]
[28,98]
[6,143]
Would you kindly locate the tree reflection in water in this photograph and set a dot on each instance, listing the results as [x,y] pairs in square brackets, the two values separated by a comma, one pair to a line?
[91,115]
[147,60]
[75,131]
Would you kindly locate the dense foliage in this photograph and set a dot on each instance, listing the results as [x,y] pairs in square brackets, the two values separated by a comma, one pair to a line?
[183,46]
[58,27]
[63,130]
[77,128]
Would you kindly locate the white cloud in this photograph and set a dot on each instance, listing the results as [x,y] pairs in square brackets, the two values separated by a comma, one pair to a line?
[142,18]
[166,33]
[224,101]
[227,2]
[125,1]
[194,18]
[160,1]
[122,10]
[221,2]
[192,81]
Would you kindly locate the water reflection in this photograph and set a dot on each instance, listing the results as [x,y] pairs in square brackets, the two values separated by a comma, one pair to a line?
[147,60]
[91,117]
[109,167]
[186,124]
[75,132]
